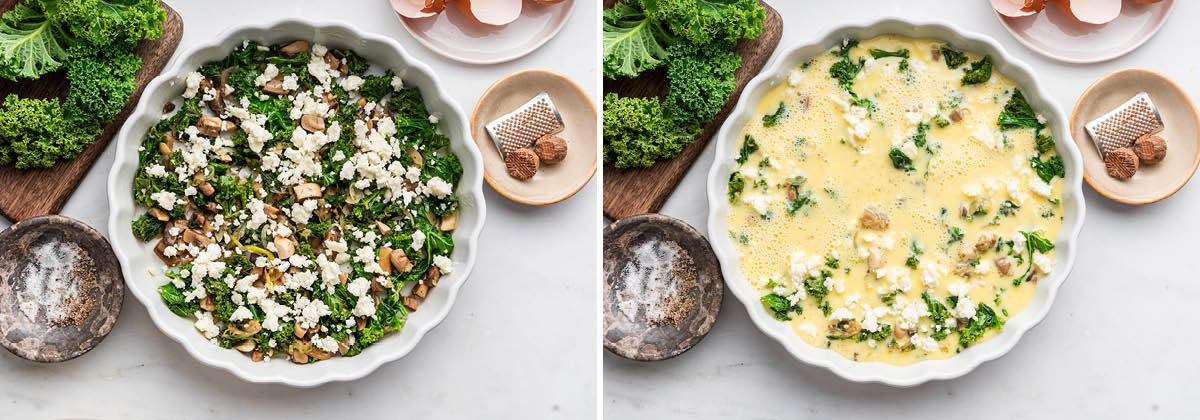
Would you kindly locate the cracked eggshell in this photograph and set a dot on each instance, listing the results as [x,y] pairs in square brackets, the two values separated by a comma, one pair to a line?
[1096,12]
[1018,8]
[491,12]
[414,8]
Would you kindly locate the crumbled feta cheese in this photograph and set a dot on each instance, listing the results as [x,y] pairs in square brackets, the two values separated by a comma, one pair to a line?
[443,263]
[351,83]
[440,187]
[192,80]
[1040,187]
[840,314]
[204,323]
[1043,262]
[164,199]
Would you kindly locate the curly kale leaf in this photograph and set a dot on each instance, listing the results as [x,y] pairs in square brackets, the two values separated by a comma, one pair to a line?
[701,80]
[1017,113]
[878,53]
[737,184]
[703,22]
[100,84]
[29,46]
[900,160]
[146,227]
[633,43]
[749,146]
[413,122]
[173,297]
[780,307]
[35,133]
[771,120]
[953,57]
[374,88]
[985,318]
[1049,168]
[979,72]
[846,69]
[637,133]
[356,65]
[104,23]
[938,314]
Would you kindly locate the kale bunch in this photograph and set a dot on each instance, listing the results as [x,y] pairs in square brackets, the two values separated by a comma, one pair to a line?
[693,39]
[93,40]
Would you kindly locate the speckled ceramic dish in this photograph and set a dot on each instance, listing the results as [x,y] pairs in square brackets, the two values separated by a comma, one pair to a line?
[552,183]
[60,288]
[648,320]
[1066,244]
[458,37]
[1151,183]
[1055,35]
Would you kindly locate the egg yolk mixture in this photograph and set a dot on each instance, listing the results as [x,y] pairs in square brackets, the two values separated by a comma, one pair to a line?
[896,201]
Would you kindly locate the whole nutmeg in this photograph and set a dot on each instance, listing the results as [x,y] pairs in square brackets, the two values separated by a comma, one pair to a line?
[522,163]
[1150,149]
[551,149]
[1121,163]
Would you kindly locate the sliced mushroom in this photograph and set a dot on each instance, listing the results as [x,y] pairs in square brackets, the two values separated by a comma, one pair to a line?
[207,304]
[193,237]
[246,346]
[875,258]
[399,261]
[297,351]
[295,47]
[168,107]
[318,354]
[873,219]
[384,229]
[362,323]
[418,160]
[410,302]
[271,211]
[964,270]
[935,54]
[217,104]
[449,222]
[986,241]
[1004,265]
[958,114]
[306,191]
[159,214]
[432,276]
[421,290]
[298,330]
[385,260]
[332,61]
[256,356]
[344,346]
[209,126]
[284,248]
[900,333]
[164,147]
[207,189]
[312,122]
[274,86]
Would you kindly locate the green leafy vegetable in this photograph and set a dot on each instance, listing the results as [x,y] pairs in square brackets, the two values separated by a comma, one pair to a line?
[736,185]
[100,84]
[1049,168]
[900,160]
[956,234]
[632,42]
[107,23]
[979,72]
[701,80]
[1017,113]
[771,120]
[797,199]
[637,133]
[878,53]
[953,57]
[173,297]
[35,133]
[29,47]
[704,22]
[780,307]
[938,314]
[985,318]
[749,146]
[146,227]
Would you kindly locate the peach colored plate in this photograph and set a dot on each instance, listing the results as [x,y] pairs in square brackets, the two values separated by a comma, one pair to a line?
[1152,182]
[459,37]
[1054,34]
[552,183]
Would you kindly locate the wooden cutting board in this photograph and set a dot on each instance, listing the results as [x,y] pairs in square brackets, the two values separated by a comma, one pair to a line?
[634,191]
[34,192]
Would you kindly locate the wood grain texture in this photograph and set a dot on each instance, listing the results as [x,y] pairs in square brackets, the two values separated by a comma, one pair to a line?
[28,193]
[634,191]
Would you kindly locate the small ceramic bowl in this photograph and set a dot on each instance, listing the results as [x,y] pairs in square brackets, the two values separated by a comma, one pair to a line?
[1151,183]
[552,183]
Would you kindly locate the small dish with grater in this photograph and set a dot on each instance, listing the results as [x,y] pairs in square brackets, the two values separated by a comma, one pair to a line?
[523,107]
[1123,106]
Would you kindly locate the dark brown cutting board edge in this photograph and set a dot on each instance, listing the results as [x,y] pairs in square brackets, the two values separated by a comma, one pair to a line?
[634,191]
[34,192]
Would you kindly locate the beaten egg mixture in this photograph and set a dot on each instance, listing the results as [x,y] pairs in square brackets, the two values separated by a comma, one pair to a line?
[896,201]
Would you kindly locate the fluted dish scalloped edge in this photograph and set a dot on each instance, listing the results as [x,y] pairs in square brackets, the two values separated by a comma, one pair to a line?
[774,74]
[137,257]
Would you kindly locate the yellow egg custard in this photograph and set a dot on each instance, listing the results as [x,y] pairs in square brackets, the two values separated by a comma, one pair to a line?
[896,200]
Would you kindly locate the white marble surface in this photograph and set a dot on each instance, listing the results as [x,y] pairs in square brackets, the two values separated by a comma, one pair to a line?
[519,343]
[1118,342]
